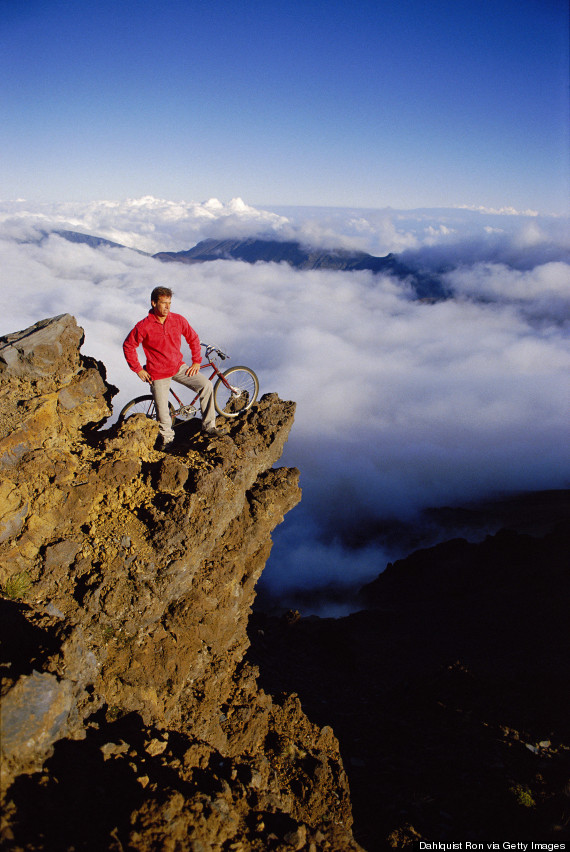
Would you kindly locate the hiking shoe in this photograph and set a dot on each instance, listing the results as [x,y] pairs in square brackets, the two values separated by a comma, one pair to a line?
[212,432]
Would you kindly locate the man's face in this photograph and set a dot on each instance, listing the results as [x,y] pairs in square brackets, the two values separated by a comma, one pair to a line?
[162,306]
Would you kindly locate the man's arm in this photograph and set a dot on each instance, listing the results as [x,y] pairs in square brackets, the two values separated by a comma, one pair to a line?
[130,346]
[193,342]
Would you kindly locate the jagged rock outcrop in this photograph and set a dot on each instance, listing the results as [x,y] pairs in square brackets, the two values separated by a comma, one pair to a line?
[130,719]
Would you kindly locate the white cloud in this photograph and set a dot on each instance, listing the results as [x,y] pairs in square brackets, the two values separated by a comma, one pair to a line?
[434,235]
[500,211]
[153,224]
[401,405]
[500,282]
[148,224]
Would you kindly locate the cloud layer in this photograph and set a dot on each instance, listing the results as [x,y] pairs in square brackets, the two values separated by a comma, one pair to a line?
[154,224]
[401,405]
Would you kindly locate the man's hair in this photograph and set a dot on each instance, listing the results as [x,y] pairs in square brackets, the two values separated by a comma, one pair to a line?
[160,291]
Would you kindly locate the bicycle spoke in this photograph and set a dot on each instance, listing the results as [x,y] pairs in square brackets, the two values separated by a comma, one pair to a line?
[142,405]
[241,394]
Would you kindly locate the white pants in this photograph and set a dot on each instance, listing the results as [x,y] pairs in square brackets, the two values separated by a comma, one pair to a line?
[199,384]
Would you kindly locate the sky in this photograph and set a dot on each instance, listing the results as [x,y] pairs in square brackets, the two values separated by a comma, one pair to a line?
[368,104]
[402,405]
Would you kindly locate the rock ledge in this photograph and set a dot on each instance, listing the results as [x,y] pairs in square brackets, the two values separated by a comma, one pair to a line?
[130,719]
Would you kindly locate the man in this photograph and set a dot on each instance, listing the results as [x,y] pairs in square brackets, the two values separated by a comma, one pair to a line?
[160,334]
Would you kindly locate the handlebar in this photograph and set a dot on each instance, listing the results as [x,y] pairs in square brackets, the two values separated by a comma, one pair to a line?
[210,349]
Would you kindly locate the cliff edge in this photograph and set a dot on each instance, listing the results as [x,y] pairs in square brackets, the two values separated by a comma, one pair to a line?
[130,718]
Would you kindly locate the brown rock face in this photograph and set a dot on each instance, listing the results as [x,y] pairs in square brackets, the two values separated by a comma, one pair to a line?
[130,719]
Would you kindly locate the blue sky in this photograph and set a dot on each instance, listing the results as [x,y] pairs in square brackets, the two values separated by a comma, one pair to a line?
[367,104]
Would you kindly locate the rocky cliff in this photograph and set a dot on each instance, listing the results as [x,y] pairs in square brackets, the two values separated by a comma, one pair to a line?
[130,717]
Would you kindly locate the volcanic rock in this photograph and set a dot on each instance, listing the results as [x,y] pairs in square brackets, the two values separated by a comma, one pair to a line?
[130,716]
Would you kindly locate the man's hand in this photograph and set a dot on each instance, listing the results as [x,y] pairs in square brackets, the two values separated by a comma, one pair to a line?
[144,376]
[193,370]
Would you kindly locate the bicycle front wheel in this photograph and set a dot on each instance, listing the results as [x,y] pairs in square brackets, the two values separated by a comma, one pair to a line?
[143,405]
[240,396]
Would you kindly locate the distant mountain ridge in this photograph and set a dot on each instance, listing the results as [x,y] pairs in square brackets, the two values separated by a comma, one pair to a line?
[253,250]
[426,285]
[89,240]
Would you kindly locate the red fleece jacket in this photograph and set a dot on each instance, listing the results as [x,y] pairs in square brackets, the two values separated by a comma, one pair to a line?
[161,343]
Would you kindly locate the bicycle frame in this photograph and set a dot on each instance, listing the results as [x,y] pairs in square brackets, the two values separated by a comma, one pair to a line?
[229,399]
[215,372]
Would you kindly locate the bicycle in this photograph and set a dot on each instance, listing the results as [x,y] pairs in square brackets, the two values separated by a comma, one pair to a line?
[235,391]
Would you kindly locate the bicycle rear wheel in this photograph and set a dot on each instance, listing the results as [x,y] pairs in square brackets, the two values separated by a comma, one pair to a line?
[143,405]
[243,393]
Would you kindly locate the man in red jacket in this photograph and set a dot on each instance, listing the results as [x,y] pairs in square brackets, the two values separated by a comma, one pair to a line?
[160,334]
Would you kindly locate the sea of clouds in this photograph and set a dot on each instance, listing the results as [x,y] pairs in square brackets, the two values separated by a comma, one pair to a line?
[402,405]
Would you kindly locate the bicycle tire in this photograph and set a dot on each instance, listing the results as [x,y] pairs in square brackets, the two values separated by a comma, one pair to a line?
[143,405]
[246,381]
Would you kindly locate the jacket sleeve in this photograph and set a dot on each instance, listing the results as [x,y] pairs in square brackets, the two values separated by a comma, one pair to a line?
[132,342]
[193,341]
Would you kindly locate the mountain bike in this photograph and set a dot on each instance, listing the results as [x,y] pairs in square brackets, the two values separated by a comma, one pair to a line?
[235,392]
